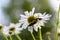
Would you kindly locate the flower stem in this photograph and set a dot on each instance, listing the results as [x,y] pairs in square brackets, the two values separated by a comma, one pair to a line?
[57,24]
[4,36]
[56,33]
[18,36]
[49,37]
[33,36]
[10,37]
[40,35]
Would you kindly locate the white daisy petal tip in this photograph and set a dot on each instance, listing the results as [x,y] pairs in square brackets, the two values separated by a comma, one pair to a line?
[38,15]
[46,14]
[33,9]
[30,29]
[18,24]
[36,29]
[14,28]
[26,12]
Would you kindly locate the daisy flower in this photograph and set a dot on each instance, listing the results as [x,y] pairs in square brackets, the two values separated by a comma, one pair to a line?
[12,29]
[33,20]
[27,18]
[41,19]
[1,31]
[1,27]
[5,31]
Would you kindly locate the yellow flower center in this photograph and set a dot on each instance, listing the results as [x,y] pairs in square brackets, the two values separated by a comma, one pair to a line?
[12,29]
[1,26]
[31,20]
[10,32]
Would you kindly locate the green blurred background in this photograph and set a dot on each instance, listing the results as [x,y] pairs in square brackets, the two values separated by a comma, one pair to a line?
[16,7]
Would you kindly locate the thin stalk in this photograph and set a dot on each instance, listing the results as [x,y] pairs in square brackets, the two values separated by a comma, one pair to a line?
[18,36]
[4,36]
[10,37]
[56,37]
[33,36]
[49,37]
[56,32]
[40,34]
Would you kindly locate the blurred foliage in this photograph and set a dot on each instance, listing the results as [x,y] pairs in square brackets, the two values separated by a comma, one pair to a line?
[26,6]
[10,12]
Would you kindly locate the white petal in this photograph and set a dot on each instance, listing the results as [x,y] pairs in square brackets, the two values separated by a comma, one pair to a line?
[36,27]
[24,26]
[23,21]
[46,17]
[26,13]
[18,24]
[30,29]
[17,32]
[5,31]
[19,29]
[41,22]
[33,10]
[23,16]
[11,25]
[38,15]
[31,13]
[44,13]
